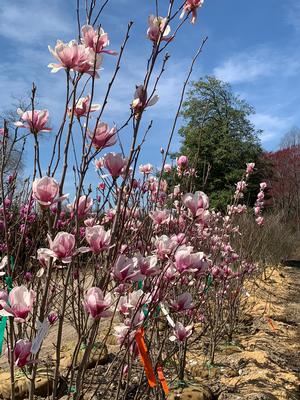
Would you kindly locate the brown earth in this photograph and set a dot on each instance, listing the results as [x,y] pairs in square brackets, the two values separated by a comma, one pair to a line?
[264,362]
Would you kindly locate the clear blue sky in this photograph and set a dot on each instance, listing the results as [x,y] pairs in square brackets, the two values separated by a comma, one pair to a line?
[254,45]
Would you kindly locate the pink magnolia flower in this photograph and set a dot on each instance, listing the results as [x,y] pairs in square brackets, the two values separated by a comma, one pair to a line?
[141,101]
[160,217]
[241,186]
[181,333]
[182,303]
[103,136]
[81,207]
[260,220]
[146,169]
[96,304]
[191,6]
[97,238]
[35,120]
[76,57]
[182,162]
[185,260]
[115,163]
[158,27]
[167,168]
[19,304]
[45,191]
[250,168]
[96,39]
[22,352]
[124,270]
[130,301]
[196,203]
[164,246]
[148,266]
[83,107]
[62,247]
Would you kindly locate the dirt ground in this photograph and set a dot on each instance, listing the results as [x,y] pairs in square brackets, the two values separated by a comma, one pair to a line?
[264,362]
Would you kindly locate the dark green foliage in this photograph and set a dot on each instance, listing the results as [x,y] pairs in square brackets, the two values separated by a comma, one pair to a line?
[219,139]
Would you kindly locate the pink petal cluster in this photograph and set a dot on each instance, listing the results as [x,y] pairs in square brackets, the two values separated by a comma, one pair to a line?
[61,248]
[115,164]
[196,202]
[83,107]
[103,136]
[96,39]
[22,352]
[97,238]
[82,206]
[18,303]
[141,101]
[45,191]
[191,6]
[35,120]
[96,304]
[75,57]
[158,28]
[181,332]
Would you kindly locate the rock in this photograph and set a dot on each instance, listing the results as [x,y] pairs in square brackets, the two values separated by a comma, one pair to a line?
[43,384]
[99,355]
[194,392]
[261,396]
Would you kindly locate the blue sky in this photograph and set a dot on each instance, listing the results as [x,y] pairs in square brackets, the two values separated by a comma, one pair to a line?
[254,45]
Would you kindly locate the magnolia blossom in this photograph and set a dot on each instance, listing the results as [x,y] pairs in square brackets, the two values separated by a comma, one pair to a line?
[22,352]
[263,185]
[181,332]
[148,266]
[18,304]
[146,169]
[130,301]
[160,217]
[124,270]
[182,162]
[103,136]
[167,168]
[45,191]
[62,248]
[96,39]
[164,246]
[260,220]
[115,163]
[185,260]
[141,101]
[96,304]
[97,238]
[83,107]
[250,168]
[191,6]
[196,203]
[76,57]
[182,303]
[35,120]
[158,28]
[82,206]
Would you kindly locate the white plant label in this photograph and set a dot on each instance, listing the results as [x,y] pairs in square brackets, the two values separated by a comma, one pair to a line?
[40,336]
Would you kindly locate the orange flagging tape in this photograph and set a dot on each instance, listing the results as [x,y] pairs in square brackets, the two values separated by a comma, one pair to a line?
[162,380]
[145,359]
[270,322]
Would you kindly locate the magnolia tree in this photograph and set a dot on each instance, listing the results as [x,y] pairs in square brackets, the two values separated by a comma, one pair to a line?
[130,262]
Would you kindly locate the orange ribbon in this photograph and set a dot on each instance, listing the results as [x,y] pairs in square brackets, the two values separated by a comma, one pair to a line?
[145,359]
[270,322]
[162,380]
